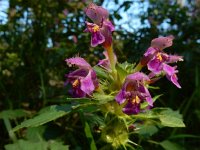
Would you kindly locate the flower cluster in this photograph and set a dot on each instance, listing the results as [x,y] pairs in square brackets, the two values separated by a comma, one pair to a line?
[133,90]
[102,28]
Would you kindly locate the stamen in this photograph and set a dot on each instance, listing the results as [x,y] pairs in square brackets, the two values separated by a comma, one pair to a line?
[174,76]
[75,83]
[135,100]
[159,57]
[95,28]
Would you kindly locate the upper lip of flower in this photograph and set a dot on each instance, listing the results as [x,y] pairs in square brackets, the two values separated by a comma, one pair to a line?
[162,42]
[96,13]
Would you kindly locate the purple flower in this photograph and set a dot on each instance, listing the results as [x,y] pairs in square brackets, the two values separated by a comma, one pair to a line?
[133,93]
[102,28]
[83,80]
[171,74]
[157,60]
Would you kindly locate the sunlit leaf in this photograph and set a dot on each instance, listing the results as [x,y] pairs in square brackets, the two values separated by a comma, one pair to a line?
[55,112]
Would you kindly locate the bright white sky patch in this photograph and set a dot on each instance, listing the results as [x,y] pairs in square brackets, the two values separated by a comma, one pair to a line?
[3,11]
[131,18]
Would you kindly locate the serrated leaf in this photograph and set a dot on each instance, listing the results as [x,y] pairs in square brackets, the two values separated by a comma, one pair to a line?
[171,118]
[168,145]
[13,114]
[147,129]
[55,112]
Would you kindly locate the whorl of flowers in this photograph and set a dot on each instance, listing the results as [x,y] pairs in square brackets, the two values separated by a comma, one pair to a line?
[133,90]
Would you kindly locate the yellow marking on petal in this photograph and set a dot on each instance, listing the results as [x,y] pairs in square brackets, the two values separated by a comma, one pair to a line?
[174,75]
[75,83]
[96,28]
[159,57]
[136,100]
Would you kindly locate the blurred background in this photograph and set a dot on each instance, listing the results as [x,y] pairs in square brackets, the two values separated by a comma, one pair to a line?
[36,36]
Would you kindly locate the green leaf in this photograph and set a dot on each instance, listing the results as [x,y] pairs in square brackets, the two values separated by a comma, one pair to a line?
[166,116]
[88,132]
[183,136]
[26,145]
[101,72]
[147,129]
[168,145]
[79,100]
[54,112]
[146,115]
[35,134]
[41,145]
[13,114]
[171,118]
[54,145]
[124,69]
[102,98]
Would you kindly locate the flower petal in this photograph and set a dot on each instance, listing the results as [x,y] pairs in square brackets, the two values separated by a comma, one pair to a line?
[106,30]
[120,97]
[162,42]
[171,74]
[174,58]
[138,76]
[97,38]
[87,84]
[150,51]
[96,13]
[78,61]
[155,66]
[130,109]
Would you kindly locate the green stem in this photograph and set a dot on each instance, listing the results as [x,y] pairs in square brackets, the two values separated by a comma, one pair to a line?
[9,129]
[43,86]
[138,67]
[111,57]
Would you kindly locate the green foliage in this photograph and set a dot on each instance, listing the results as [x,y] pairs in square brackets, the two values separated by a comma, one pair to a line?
[166,116]
[168,145]
[13,114]
[51,114]
[42,145]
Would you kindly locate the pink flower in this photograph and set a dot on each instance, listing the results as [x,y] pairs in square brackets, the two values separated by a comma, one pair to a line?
[83,80]
[102,28]
[156,59]
[133,93]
